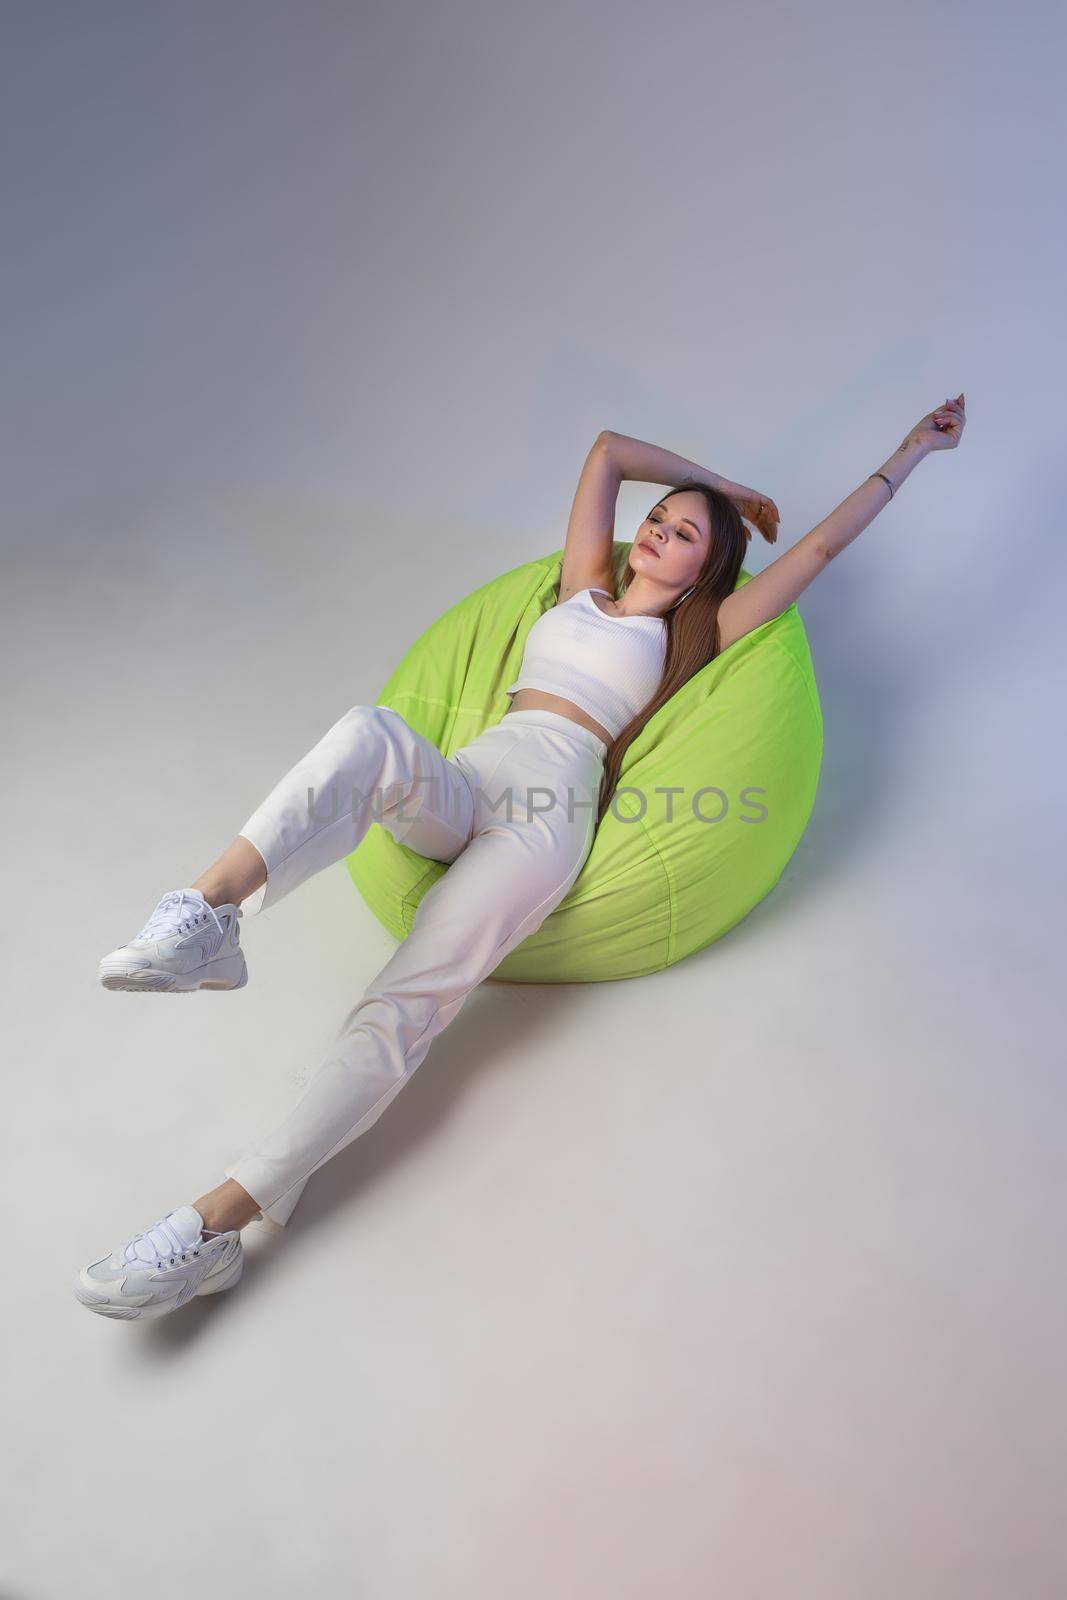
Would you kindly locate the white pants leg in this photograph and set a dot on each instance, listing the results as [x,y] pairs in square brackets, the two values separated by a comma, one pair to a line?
[513,812]
[370,766]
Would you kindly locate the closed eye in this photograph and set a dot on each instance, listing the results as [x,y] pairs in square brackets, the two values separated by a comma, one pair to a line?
[655,521]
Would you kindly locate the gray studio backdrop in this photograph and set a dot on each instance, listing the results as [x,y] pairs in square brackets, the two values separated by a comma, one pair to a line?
[744,1279]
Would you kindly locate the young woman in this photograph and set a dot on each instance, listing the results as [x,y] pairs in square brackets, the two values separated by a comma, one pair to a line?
[595,668]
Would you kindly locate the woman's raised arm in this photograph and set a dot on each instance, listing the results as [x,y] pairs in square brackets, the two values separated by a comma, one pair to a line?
[769,593]
[938,430]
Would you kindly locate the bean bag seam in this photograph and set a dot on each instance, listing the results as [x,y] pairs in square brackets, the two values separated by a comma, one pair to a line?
[654,853]
[671,909]
[411,900]
[804,675]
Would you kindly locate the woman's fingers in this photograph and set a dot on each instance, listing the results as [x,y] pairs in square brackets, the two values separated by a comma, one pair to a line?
[761,512]
[950,417]
[949,420]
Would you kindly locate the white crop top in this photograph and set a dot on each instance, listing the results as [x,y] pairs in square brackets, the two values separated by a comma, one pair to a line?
[610,666]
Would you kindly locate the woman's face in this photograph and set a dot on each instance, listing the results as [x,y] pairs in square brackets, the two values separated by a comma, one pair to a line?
[672,542]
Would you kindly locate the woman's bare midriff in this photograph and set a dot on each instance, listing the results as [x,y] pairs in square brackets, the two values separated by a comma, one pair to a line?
[539,700]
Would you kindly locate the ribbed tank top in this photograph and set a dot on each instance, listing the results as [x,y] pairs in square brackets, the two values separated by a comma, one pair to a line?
[610,666]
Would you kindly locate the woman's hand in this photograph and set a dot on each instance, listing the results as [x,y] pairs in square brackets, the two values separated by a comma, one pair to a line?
[941,429]
[756,508]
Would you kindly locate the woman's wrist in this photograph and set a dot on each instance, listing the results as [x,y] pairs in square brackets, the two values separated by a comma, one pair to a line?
[905,458]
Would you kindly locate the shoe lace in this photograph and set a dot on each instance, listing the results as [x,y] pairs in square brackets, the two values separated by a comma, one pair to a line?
[165,1241]
[168,914]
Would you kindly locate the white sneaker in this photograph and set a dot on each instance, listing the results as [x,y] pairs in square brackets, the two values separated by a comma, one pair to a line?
[185,945]
[162,1268]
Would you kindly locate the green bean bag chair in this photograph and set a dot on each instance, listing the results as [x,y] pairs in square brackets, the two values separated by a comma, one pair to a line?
[746,730]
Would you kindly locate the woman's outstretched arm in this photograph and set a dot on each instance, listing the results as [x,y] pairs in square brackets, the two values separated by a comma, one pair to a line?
[938,430]
[769,593]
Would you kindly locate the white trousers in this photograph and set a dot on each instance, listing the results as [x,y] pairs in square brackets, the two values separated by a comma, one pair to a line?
[513,813]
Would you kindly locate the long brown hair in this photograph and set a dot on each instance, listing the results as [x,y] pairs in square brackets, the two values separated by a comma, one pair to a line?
[692,623]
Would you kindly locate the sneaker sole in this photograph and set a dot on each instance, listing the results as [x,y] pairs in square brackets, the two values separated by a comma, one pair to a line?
[94,1301]
[157,980]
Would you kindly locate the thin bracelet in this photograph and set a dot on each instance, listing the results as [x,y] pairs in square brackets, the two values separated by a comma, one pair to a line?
[884,480]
